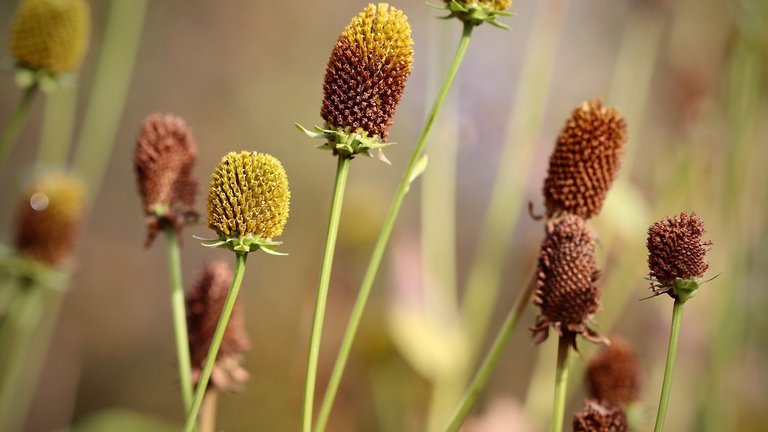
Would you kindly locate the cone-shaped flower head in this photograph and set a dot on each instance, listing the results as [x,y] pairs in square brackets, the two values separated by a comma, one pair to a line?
[249,198]
[204,305]
[367,72]
[50,35]
[164,159]
[613,374]
[566,291]
[49,219]
[585,161]
[676,254]
[600,416]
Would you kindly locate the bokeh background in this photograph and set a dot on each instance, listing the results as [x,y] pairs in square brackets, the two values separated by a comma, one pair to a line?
[689,76]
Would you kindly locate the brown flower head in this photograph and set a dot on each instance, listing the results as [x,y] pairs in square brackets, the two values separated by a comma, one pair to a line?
[204,305]
[675,249]
[586,160]
[600,416]
[367,71]
[613,374]
[164,159]
[566,291]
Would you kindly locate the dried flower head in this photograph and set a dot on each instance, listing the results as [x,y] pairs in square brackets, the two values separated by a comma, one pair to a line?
[49,219]
[566,291]
[600,416]
[367,71]
[164,159]
[613,374]
[50,35]
[249,196]
[585,161]
[204,305]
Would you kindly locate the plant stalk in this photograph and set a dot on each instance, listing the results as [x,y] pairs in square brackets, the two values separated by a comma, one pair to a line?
[218,335]
[208,411]
[386,231]
[342,172]
[178,309]
[58,123]
[674,338]
[561,383]
[13,128]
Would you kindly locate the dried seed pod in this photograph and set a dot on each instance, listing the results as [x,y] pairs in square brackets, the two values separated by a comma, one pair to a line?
[249,196]
[367,71]
[164,159]
[49,219]
[613,374]
[566,291]
[204,305]
[676,250]
[50,35]
[600,416]
[585,161]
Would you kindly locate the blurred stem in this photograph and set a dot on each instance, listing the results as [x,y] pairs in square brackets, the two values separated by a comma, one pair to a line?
[179,311]
[13,128]
[503,212]
[674,337]
[561,383]
[208,411]
[58,122]
[110,89]
[386,232]
[218,335]
[491,358]
[342,172]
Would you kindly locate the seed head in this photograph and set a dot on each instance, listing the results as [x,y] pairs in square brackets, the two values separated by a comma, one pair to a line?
[586,160]
[204,305]
[49,218]
[566,291]
[675,249]
[249,196]
[367,71]
[613,374]
[50,35]
[164,159]
[600,416]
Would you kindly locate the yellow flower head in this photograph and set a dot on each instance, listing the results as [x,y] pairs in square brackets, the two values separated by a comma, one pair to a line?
[50,35]
[249,196]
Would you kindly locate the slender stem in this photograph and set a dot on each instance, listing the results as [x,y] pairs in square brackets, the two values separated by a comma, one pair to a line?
[674,337]
[342,171]
[218,335]
[208,411]
[491,358]
[561,383]
[58,122]
[386,231]
[178,309]
[12,129]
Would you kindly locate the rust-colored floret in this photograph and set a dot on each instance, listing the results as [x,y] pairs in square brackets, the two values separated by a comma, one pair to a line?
[49,218]
[585,161]
[566,291]
[613,374]
[367,71]
[600,416]
[164,160]
[676,250]
[204,305]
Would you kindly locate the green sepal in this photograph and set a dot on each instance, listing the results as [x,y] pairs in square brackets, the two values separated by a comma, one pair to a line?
[474,13]
[244,244]
[348,143]
[14,266]
[684,289]
[46,81]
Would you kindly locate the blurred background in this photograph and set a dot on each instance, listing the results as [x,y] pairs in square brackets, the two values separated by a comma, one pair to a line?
[688,75]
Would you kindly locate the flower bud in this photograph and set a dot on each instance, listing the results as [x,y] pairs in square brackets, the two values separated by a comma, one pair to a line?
[613,374]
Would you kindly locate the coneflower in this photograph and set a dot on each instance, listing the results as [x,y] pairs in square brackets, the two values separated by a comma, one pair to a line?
[613,374]
[248,204]
[476,12]
[600,416]
[676,265]
[585,161]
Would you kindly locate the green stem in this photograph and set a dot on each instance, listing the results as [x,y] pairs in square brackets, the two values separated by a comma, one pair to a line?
[491,358]
[674,338]
[13,127]
[218,335]
[178,309]
[58,122]
[208,411]
[561,383]
[386,231]
[342,171]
